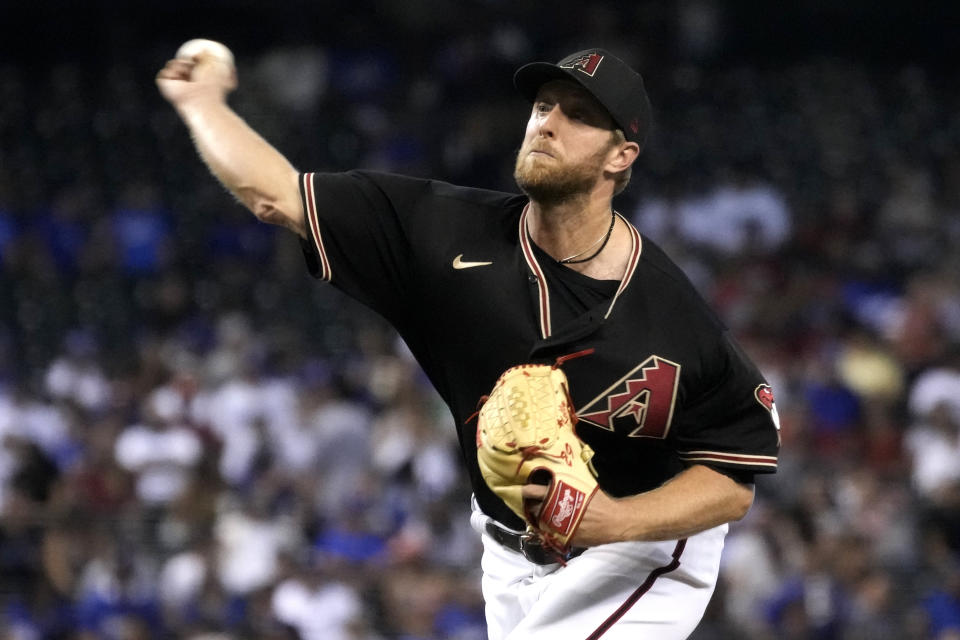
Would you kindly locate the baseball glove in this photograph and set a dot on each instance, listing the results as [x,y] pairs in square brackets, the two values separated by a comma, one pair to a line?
[525,433]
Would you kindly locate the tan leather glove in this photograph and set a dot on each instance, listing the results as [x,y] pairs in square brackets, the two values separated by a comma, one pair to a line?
[525,433]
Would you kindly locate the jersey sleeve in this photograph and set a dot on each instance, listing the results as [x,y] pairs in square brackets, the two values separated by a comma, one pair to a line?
[356,235]
[733,426]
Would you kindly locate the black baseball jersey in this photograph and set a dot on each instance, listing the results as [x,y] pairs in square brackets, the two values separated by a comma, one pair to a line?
[454,270]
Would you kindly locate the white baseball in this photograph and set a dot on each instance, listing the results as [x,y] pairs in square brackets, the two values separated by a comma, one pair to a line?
[188,50]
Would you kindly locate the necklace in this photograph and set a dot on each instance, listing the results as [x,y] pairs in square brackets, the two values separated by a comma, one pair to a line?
[602,241]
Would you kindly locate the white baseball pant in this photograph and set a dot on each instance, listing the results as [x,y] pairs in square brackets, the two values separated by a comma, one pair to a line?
[620,591]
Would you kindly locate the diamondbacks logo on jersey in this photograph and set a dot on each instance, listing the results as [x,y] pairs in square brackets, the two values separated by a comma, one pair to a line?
[764,395]
[639,405]
[585,64]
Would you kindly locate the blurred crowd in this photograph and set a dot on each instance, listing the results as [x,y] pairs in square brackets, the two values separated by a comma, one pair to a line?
[199,441]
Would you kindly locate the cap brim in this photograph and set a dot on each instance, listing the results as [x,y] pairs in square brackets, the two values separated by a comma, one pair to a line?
[530,77]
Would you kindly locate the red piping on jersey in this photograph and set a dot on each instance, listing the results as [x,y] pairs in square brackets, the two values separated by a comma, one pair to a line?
[545,322]
[641,590]
[731,458]
[545,329]
[325,271]
[635,251]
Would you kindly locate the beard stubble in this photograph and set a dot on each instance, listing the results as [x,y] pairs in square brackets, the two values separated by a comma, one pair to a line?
[550,182]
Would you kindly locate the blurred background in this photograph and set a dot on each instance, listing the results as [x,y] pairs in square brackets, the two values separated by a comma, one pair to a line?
[200,441]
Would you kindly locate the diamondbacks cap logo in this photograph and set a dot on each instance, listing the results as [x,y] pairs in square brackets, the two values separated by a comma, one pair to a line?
[586,63]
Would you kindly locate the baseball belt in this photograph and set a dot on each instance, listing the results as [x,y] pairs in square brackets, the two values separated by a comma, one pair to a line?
[526,544]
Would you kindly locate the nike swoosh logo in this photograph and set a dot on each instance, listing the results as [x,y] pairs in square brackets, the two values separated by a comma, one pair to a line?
[460,264]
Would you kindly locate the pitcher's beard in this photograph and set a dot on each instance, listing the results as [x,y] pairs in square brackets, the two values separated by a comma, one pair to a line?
[551,183]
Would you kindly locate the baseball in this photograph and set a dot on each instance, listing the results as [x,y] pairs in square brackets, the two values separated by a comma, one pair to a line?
[192,48]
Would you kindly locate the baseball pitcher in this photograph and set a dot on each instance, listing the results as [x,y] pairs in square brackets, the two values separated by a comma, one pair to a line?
[619,427]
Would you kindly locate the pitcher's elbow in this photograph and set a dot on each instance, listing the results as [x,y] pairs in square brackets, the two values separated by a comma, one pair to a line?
[266,211]
[743,501]
[287,217]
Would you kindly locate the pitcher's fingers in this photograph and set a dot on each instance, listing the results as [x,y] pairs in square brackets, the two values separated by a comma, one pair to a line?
[176,70]
[533,491]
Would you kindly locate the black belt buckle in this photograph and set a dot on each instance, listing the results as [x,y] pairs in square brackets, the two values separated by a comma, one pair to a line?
[534,551]
[526,544]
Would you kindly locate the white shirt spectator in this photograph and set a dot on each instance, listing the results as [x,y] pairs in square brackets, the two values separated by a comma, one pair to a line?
[181,579]
[160,457]
[933,387]
[340,434]
[935,451]
[250,549]
[81,382]
[291,444]
[233,412]
[323,612]
[737,215]
[732,218]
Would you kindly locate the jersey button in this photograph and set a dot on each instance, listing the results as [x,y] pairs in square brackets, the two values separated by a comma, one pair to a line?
[532,279]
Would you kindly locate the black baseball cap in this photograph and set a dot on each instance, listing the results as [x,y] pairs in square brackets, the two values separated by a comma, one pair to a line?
[606,77]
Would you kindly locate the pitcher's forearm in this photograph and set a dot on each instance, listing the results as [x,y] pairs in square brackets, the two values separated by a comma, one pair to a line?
[695,500]
[258,175]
